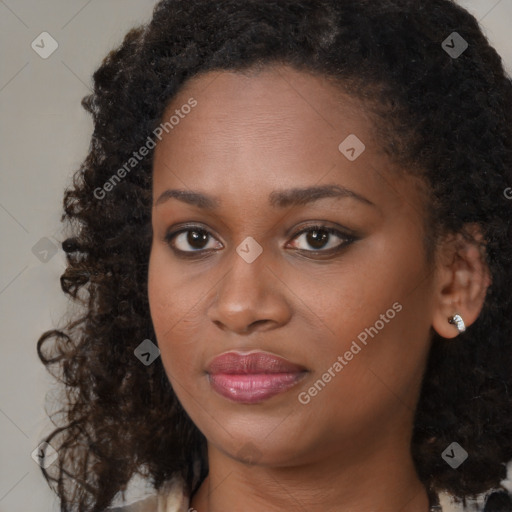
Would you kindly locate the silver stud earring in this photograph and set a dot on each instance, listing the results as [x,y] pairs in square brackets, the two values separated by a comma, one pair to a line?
[458,322]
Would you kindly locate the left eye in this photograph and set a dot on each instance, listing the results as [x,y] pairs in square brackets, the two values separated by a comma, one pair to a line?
[319,237]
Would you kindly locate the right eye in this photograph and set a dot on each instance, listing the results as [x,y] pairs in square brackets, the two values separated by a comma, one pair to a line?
[194,237]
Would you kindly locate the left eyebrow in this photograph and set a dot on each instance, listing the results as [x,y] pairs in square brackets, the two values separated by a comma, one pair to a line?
[277,198]
[301,196]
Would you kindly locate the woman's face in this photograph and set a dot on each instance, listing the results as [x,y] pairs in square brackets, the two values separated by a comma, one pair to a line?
[351,309]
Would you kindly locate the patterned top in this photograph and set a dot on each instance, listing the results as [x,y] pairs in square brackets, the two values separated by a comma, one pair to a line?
[173,498]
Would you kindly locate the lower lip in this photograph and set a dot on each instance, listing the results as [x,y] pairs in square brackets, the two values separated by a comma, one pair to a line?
[255,387]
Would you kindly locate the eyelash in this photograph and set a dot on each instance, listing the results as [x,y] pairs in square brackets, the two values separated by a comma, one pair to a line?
[347,240]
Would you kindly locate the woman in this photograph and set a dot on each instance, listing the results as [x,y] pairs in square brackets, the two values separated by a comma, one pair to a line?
[294,232]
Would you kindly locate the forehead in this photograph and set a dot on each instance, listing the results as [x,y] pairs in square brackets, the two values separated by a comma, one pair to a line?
[262,104]
[264,130]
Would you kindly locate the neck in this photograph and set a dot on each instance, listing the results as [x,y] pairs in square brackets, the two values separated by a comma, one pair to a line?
[385,481]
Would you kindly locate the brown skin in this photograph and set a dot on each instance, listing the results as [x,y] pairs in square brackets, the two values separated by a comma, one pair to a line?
[349,447]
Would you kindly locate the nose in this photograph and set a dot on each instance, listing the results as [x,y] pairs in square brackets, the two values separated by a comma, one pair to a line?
[250,296]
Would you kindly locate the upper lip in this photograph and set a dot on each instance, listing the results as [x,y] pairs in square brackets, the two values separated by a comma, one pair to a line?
[233,362]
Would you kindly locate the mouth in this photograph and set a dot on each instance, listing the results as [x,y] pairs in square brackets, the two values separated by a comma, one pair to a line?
[254,377]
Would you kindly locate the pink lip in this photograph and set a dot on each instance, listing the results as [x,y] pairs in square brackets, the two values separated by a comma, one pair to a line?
[253,377]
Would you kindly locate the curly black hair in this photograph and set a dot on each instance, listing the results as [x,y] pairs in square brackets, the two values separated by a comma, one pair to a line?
[446,118]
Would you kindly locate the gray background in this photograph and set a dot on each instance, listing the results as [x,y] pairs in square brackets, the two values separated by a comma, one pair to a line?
[44,137]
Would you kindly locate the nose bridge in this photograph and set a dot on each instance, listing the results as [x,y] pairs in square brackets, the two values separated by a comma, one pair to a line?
[245,281]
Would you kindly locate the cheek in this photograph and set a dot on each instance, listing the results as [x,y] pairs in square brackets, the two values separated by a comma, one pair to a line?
[177,305]
[345,299]
[173,293]
[375,309]
[168,303]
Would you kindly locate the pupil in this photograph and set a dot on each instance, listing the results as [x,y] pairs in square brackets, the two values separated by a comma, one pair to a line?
[314,241]
[196,237]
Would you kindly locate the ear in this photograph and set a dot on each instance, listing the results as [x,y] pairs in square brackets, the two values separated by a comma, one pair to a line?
[463,278]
